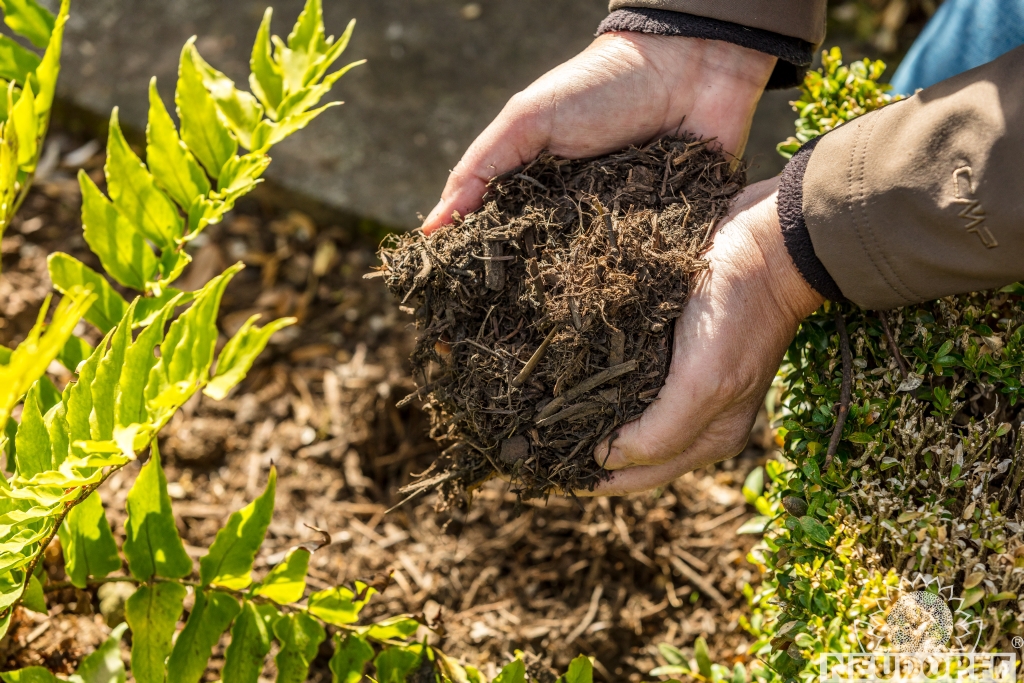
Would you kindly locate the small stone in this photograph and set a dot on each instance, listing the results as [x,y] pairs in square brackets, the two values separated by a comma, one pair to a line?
[515,449]
[471,11]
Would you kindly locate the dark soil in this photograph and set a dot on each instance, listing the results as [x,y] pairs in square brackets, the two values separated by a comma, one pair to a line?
[546,316]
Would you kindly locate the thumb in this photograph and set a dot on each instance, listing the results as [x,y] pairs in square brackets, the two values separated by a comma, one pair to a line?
[513,139]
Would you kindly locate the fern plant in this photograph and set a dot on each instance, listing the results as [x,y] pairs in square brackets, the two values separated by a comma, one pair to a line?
[29,81]
[150,361]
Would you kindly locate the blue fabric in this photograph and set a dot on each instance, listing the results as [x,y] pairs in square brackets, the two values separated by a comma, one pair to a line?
[963,34]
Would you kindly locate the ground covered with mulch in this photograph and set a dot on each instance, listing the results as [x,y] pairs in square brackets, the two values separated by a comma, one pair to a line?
[547,315]
[608,577]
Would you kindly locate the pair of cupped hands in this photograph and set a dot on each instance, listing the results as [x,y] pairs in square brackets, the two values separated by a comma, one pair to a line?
[630,88]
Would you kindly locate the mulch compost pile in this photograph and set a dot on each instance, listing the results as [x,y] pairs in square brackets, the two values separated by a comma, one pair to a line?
[547,315]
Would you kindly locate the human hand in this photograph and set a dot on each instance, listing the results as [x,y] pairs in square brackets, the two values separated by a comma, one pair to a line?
[626,88]
[729,343]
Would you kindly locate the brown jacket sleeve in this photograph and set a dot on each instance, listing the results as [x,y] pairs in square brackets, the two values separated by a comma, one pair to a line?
[803,19]
[924,198]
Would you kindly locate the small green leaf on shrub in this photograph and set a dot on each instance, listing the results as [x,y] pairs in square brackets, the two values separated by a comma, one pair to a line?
[860,437]
[754,525]
[754,485]
[34,598]
[815,530]
[972,596]
[700,653]
[673,655]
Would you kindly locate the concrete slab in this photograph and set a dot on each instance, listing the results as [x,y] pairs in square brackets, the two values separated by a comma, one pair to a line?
[438,72]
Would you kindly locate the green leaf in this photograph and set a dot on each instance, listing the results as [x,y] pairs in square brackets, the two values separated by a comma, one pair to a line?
[88,544]
[24,117]
[172,165]
[186,352]
[108,373]
[265,80]
[754,525]
[753,487]
[80,402]
[700,653]
[49,69]
[815,530]
[739,673]
[268,133]
[339,605]
[121,248]
[301,101]
[240,175]
[74,352]
[250,644]
[393,628]
[152,544]
[287,581]
[29,361]
[201,126]
[152,612]
[238,355]
[581,670]
[673,655]
[972,596]
[67,272]
[31,674]
[349,659]
[135,193]
[34,598]
[29,19]
[16,63]
[104,665]
[241,111]
[211,615]
[514,672]
[300,636]
[139,359]
[229,560]
[33,441]
[395,663]
[308,33]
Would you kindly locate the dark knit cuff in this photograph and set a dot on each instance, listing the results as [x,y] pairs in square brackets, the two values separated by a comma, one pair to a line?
[794,55]
[794,228]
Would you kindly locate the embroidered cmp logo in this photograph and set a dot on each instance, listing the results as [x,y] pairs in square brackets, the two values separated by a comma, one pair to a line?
[973,213]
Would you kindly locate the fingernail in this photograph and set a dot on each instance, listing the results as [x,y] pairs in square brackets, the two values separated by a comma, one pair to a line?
[609,458]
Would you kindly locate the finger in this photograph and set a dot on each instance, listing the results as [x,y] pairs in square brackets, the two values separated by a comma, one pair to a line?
[703,452]
[517,136]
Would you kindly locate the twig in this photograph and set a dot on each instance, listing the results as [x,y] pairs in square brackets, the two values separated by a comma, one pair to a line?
[845,391]
[588,618]
[535,359]
[586,386]
[893,348]
[699,581]
[574,411]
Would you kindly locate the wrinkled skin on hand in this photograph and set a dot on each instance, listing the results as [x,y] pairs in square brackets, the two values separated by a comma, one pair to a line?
[729,343]
[625,88]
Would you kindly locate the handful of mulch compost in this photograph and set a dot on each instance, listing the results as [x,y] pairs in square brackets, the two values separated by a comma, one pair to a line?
[547,315]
